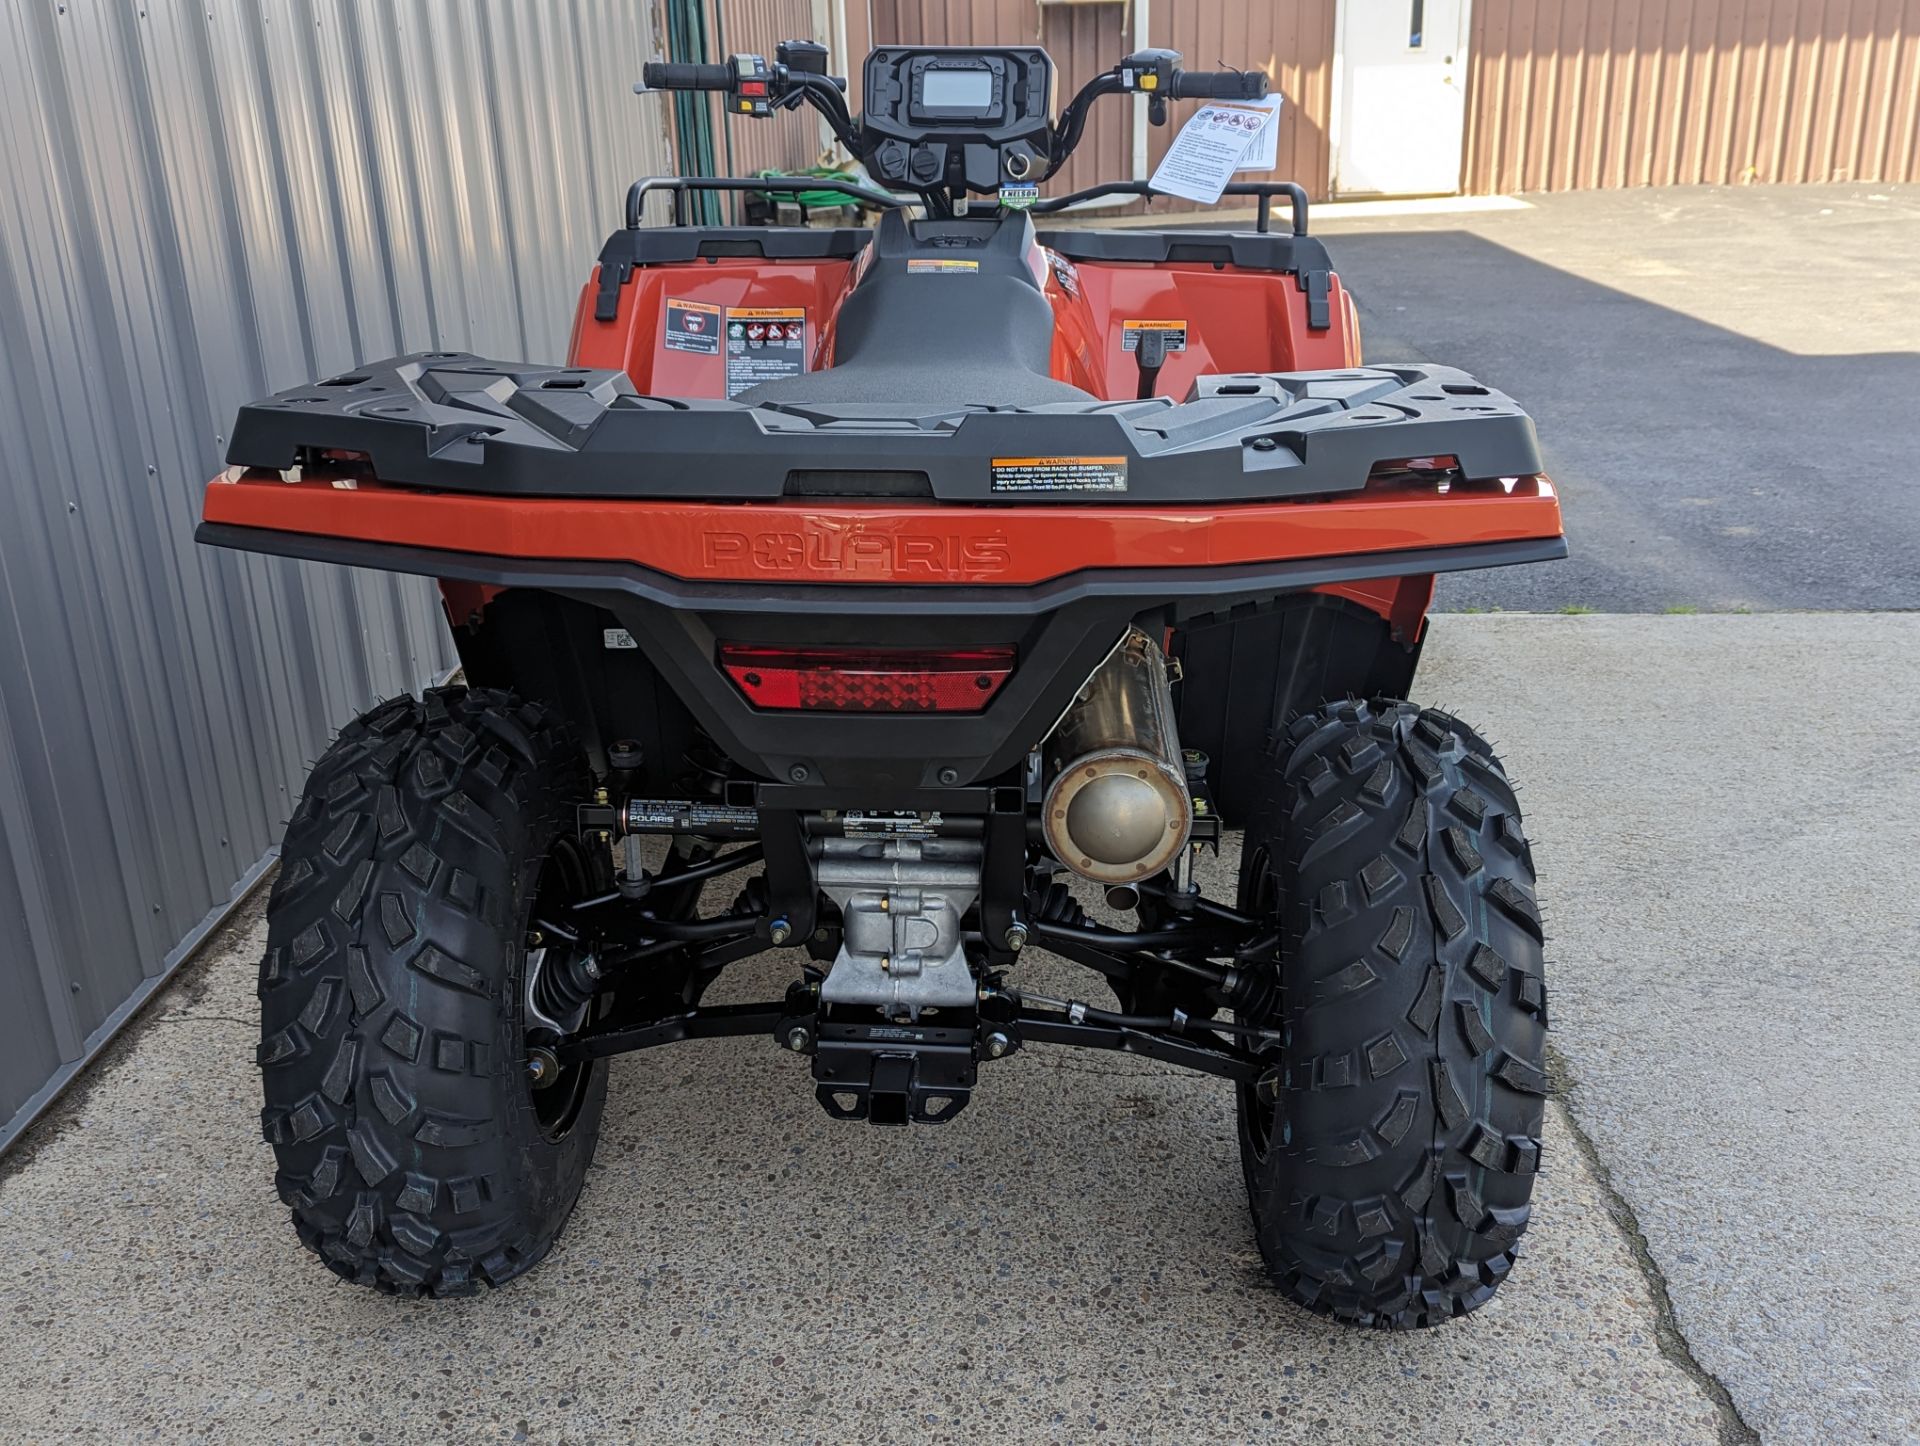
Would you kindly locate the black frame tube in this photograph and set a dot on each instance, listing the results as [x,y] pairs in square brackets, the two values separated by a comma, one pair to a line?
[679,187]
[1141,941]
[1265,191]
[1193,1049]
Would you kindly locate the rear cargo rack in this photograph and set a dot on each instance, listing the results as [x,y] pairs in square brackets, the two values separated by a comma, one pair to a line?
[459,422]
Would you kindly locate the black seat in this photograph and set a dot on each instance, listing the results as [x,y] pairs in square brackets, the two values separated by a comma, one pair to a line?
[947,314]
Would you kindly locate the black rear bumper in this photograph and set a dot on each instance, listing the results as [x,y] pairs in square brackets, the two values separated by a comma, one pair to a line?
[1061,630]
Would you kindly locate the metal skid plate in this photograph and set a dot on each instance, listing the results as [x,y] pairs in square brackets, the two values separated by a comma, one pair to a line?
[902,954]
[901,902]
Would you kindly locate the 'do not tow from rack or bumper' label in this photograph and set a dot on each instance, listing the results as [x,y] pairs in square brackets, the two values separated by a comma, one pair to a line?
[764,344]
[1059,474]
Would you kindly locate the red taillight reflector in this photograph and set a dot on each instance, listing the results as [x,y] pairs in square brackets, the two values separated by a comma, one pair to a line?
[835,680]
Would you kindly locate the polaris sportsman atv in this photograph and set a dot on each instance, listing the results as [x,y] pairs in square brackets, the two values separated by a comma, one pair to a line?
[929,584]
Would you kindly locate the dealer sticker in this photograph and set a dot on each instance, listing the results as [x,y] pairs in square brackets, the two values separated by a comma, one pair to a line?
[692,326]
[1059,474]
[1174,333]
[764,344]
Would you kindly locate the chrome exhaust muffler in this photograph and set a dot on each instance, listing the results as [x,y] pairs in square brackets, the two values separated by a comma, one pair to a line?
[1116,807]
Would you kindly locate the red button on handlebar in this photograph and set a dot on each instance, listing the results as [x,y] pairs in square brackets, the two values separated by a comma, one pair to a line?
[753,87]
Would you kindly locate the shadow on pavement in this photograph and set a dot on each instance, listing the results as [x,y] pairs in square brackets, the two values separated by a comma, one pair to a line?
[1699,468]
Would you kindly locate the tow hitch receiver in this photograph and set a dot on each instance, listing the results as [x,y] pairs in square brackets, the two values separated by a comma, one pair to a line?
[894,1074]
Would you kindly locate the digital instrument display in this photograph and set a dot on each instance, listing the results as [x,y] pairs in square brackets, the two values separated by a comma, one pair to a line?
[943,88]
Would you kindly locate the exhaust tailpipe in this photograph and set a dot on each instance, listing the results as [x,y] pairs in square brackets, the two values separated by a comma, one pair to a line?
[1117,808]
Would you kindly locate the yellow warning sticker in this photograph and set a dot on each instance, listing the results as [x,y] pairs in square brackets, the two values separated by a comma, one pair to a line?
[944,264]
[692,326]
[1172,333]
[1059,474]
[764,344]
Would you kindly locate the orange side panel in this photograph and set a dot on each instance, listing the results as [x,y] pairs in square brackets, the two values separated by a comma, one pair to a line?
[1237,321]
[635,340]
[814,542]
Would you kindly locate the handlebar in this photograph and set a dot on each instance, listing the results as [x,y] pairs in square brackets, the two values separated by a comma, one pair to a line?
[798,76]
[1218,85]
[667,75]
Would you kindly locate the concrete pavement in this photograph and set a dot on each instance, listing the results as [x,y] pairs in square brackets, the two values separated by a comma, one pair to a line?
[1070,1258]
[1728,842]
[1726,814]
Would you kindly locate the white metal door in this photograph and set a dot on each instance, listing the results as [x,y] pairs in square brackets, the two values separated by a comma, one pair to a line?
[1401,107]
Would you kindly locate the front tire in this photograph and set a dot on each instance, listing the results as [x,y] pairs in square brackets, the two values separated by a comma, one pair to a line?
[412,1149]
[1390,1161]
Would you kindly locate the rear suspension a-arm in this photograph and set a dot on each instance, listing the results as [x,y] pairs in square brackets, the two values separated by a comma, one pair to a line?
[1005,1023]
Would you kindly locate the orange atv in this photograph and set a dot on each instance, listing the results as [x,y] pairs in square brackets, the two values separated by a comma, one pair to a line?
[945,589]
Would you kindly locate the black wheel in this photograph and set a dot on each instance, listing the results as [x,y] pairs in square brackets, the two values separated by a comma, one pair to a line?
[413,1149]
[1390,1170]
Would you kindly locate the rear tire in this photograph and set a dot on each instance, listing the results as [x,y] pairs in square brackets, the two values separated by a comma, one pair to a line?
[1390,1177]
[414,1153]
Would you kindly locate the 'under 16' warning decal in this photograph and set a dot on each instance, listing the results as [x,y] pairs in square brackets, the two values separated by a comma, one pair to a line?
[693,326]
[764,344]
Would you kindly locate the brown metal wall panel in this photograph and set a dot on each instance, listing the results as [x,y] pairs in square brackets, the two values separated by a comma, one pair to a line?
[1568,94]
[788,141]
[1293,44]
[859,40]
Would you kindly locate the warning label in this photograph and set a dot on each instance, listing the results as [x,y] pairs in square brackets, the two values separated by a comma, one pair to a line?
[942,265]
[891,825]
[667,815]
[693,326]
[1059,474]
[1173,334]
[764,344]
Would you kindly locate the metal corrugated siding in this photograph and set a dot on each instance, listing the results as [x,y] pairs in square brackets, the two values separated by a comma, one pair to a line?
[790,141]
[200,203]
[1293,43]
[858,41]
[1569,94]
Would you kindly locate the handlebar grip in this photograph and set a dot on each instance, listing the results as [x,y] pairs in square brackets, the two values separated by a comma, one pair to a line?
[1218,85]
[665,75]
